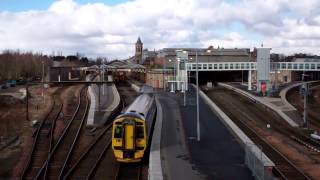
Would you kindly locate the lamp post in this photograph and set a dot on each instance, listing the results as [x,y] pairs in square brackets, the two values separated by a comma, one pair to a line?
[42,76]
[103,85]
[163,76]
[178,73]
[305,101]
[173,72]
[197,81]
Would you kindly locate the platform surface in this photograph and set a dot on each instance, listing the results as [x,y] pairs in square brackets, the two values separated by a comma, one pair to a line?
[109,100]
[217,156]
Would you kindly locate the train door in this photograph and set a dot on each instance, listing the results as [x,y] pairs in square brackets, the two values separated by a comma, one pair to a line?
[129,136]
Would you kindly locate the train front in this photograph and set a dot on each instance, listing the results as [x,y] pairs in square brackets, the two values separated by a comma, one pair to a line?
[129,138]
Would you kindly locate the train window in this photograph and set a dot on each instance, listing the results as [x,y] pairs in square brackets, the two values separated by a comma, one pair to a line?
[139,132]
[118,132]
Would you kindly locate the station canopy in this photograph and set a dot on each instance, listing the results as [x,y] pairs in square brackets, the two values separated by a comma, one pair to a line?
[118,65]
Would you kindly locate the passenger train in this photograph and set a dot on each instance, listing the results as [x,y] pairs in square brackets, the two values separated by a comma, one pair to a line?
[132,130]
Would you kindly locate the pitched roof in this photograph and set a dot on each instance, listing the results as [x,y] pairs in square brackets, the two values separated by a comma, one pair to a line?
[139,40]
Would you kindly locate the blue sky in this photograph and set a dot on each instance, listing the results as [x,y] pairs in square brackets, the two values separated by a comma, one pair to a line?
[23,5]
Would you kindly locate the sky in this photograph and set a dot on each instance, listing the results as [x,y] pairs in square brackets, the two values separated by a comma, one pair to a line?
[109,28]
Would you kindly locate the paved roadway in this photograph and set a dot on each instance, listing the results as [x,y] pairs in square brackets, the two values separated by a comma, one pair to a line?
[217,156]
[106,99]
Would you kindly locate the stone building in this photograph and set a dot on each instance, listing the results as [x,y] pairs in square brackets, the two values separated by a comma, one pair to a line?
[138,52]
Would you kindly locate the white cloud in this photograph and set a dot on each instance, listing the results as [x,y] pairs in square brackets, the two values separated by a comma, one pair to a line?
[101,30]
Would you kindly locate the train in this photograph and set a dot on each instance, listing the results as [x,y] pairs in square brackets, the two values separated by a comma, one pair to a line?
[132,130]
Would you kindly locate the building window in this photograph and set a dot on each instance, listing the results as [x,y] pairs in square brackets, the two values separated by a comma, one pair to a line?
[307,66]
[300,66]
[318,66]
[313,66]
[210,66]
[226,66]
[289,66]
[231,66]
[204,66]
[242,66]
[247,66]
[220,66]
[283,66]
[215,66]
[295,66]
[237,66]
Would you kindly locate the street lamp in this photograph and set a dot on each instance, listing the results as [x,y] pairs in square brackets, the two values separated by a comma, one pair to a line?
[43,80]
[103,85]
[178,74]
[173,76]
[164,67]
[197,81]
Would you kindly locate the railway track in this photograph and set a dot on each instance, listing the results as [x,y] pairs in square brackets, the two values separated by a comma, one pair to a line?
[126,92]
[89,160]
[129,171]
[43,140]
[245,111]
[294,98]
[54,167]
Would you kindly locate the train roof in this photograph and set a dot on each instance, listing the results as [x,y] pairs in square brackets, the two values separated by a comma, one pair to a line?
[131,114]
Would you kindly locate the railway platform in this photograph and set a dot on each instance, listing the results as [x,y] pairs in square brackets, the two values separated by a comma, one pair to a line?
[101,109]
[285,110]
[217,156]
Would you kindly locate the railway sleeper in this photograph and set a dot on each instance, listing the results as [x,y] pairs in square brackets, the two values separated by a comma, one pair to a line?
[305,144]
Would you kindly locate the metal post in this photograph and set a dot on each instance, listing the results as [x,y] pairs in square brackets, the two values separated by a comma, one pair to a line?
[174,75]
[242,77]
[99,86]
[305,105]
[27,99]
[249,81]
[178,75]
[197,79]
[42,78]
[103,85]
[163,68]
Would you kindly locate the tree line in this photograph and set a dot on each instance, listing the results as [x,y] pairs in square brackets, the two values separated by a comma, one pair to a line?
[16,64]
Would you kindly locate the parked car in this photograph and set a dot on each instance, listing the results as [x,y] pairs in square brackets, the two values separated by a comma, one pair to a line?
[4,86]
[11,83]
[21,81]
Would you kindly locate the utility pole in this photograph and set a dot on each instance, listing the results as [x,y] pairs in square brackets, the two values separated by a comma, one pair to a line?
[43,80]
[305,105]
[103,85]
[305,92]
[197,79]
[99,94]
[163,70]
[27,101]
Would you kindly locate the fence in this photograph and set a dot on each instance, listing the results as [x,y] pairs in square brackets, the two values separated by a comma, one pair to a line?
[255,162]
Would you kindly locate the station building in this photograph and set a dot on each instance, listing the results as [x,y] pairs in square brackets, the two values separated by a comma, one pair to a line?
[217,64]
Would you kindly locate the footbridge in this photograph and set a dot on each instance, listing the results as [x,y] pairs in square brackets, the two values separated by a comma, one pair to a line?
[262,67]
